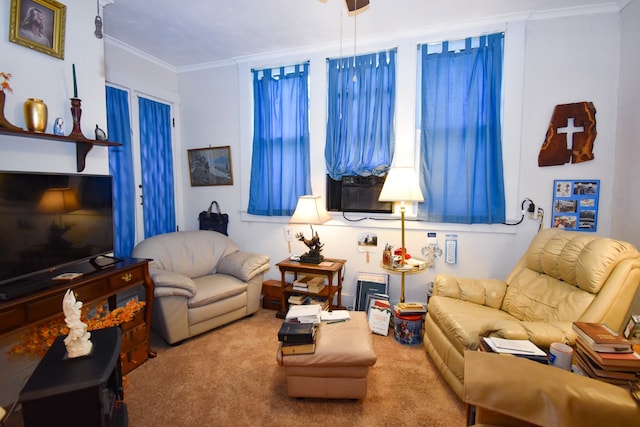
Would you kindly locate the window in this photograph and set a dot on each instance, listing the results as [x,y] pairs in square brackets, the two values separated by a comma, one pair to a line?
[360,117]
[461,172]
[280,161]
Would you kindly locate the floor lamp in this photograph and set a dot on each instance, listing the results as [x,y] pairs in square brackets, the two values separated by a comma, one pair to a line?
[401,185]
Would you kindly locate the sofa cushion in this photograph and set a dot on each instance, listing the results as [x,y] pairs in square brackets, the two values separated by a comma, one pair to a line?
[582,260]
[215,287]
[489,292]
[191,253]
[462,321]
[536,297]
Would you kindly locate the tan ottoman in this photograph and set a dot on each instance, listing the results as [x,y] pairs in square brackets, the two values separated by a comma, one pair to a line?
[338,369]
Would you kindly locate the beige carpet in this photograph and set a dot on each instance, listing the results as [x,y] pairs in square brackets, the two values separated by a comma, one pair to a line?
[229,377]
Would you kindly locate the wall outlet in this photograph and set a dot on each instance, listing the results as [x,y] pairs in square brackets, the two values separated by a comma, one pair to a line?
[533,211]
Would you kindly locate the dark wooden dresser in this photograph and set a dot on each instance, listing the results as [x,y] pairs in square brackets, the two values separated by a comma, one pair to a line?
[92,287]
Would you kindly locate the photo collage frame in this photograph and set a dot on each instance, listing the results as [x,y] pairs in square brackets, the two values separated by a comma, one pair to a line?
[575,204]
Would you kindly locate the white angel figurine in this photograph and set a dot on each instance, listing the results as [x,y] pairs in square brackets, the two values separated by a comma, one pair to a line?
[77,342]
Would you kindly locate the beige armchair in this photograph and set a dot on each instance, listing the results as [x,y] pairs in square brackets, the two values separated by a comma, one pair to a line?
[504,390]
[202,281]
[563,277]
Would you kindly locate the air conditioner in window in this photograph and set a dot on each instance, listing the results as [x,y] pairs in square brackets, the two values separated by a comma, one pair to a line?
[356,194]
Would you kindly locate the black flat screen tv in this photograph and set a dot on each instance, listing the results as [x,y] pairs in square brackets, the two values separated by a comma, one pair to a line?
[49,222]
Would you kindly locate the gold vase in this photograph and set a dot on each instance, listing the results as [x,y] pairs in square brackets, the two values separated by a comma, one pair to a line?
[35,115]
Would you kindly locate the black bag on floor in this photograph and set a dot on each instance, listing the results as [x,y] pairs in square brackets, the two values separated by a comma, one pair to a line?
[216,221]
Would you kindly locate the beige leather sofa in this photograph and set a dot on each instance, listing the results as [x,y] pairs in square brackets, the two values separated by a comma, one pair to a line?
[202,281]
[563,277]
[504,390]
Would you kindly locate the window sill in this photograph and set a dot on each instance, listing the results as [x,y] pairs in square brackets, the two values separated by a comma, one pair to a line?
[389,221]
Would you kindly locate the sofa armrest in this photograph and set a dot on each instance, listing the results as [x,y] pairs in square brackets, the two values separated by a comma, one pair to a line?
[489,292]
[168,283]
[541,334]
[243,265]
[542,394]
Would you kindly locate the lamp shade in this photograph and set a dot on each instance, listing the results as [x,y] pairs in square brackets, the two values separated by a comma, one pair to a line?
[59,200]
[310,210]
[401,185]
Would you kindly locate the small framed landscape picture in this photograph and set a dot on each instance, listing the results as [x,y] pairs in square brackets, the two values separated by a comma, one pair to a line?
[210,166]
[38,25]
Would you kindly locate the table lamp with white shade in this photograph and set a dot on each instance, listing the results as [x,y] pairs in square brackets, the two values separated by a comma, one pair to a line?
[310,210]
[401,185]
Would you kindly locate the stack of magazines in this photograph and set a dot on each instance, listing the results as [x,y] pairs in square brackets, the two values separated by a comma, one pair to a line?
[520,348]
[308,313]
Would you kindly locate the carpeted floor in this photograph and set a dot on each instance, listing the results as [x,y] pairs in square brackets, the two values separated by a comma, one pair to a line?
[230,377]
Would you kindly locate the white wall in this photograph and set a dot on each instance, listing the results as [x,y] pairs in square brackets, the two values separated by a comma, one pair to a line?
[37,75]
[571,60]
[566,59]
[627,202]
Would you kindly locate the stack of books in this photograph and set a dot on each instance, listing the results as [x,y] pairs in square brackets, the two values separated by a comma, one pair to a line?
[297,338]
[311,284]
[323,302]
[605,355]
[308,313]
[298,299]
[409,308]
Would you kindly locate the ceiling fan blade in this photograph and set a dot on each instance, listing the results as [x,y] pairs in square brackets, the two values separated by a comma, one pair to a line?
[354,5]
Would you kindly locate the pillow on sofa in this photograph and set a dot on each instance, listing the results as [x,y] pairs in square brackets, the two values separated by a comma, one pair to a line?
[168,283]
[243,265]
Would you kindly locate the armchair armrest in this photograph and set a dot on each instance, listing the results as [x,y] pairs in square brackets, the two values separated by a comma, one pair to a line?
[489,292]
[542,394]
[541,334]
[168,283]
[243,265]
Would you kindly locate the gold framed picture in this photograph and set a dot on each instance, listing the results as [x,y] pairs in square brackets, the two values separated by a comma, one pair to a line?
[38,25]
[210,166]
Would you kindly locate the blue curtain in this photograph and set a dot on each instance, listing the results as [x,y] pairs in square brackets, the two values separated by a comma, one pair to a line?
[121,169]
[461,147]
[157,167]
[360,122]
[280,165]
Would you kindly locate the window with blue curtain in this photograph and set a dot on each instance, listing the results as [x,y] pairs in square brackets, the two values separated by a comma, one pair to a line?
[121,169]
[156,160]
[461,171]
[360,117]
[280,165]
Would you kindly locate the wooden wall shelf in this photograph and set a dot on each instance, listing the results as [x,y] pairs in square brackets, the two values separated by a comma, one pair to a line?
[83,145]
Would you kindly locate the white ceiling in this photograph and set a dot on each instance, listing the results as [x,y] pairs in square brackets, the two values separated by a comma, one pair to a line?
[190,33]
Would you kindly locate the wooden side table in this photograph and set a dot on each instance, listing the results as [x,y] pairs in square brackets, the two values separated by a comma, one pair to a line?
[329,268]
